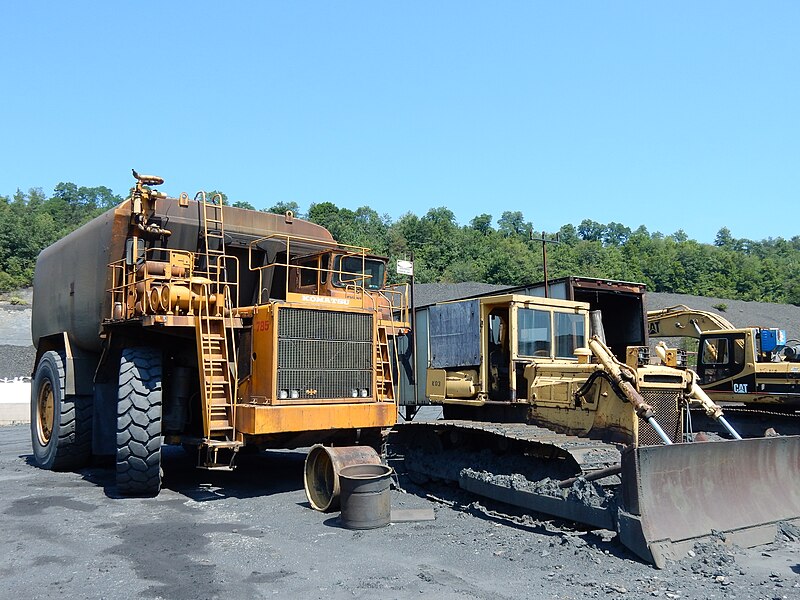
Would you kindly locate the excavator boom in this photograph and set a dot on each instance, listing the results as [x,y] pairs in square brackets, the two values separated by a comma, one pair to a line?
[682,321]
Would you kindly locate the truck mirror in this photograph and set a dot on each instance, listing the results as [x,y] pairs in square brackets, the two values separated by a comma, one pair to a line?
[130,259]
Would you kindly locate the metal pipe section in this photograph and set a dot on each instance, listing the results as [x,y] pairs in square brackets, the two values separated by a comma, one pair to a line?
[596,325]
[593,476]
[730,429]
[664,437]
[321,473]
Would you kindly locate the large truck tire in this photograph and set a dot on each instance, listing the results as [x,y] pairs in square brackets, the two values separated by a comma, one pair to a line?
[61,425]
[139,422]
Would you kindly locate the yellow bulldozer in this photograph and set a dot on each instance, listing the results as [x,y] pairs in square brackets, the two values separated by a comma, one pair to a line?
[541,411]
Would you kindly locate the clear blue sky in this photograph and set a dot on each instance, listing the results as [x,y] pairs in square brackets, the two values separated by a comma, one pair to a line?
[672,115]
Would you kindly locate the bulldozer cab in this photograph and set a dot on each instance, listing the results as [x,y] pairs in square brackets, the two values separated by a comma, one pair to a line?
[522,329]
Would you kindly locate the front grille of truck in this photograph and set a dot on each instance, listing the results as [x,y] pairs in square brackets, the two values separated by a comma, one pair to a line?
[667,415]
[324,354]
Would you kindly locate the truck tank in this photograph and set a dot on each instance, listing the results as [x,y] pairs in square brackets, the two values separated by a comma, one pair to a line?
[74,270]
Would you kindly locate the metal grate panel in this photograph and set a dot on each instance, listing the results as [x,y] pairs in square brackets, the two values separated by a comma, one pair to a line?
[303,324]
[665,410]
[325,354]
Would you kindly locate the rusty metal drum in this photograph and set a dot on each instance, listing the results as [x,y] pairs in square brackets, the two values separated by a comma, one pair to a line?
[365,499]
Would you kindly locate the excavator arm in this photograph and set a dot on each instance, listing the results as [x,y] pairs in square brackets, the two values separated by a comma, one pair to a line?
[682,321]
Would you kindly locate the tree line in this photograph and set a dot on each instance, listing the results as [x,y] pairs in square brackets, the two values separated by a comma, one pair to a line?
[506,252]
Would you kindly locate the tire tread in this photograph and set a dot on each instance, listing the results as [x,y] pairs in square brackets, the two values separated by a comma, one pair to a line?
[139,422]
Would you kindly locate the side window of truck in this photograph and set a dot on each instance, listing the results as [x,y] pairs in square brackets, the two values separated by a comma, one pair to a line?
[308,272]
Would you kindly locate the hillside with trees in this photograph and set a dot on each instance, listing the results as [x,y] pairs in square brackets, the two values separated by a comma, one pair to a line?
[445,251]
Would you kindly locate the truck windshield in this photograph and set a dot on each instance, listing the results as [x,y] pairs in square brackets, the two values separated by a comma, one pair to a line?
[353,270]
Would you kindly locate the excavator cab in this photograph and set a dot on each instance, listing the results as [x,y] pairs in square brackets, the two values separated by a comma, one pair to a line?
[720,357]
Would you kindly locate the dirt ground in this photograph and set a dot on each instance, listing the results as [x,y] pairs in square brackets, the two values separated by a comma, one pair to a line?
[251,534]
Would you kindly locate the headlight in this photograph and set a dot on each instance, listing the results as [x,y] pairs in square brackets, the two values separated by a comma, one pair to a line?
[354,393]
[283,394]
[364,392]
[295,393]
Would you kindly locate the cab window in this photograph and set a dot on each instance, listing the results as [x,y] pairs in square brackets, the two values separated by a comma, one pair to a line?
[533,332]
[715,351]
[570,334]
[720,357]
[308,272]
[353,270]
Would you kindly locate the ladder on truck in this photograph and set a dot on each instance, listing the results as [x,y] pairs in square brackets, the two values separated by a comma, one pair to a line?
[215,344]
[383,370]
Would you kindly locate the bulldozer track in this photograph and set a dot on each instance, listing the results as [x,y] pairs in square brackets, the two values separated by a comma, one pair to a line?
[588,455]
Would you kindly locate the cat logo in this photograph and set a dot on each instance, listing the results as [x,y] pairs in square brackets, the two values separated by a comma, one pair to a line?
[739,388]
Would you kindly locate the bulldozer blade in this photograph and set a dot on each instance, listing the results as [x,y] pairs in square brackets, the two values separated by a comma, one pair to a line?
[675,496]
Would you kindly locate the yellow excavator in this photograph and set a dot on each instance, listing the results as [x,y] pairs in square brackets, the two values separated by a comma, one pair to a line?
[749,365]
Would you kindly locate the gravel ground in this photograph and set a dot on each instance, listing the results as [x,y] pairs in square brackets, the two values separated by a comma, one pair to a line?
[250,534]
[16,350]
[16,361]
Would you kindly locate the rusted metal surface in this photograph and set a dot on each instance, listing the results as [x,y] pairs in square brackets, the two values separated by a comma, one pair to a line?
[321,473]
[681,493]
[365,499]
[72,276]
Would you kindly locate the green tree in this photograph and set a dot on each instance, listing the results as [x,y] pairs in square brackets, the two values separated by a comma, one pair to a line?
[512,223]
[482,223]
[214,195]
[591,231]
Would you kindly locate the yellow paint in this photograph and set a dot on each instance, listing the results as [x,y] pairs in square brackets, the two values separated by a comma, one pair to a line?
[263,372]
[259,420]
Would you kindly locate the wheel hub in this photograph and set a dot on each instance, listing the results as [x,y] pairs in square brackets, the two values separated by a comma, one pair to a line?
[45,413]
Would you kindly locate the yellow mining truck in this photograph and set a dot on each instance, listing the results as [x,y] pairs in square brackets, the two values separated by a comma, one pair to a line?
[183,321]
[539,411]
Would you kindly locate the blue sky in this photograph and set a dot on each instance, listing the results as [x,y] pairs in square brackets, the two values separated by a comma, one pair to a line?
[679,115]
